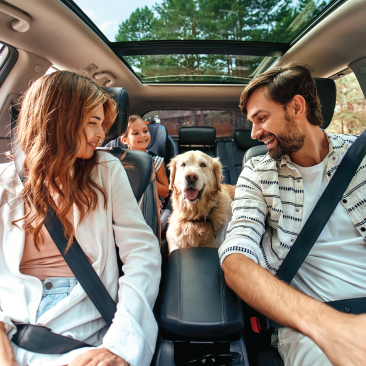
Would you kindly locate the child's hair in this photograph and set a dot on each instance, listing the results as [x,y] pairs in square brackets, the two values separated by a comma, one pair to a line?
[131,119]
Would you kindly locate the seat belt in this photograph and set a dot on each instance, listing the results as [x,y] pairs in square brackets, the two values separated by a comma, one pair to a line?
[231,163]
[40,339]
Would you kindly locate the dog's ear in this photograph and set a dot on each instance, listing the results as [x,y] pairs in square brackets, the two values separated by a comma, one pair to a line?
[217,169]
[172,168]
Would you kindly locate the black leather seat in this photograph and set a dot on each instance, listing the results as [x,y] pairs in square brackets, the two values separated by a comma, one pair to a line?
[327,93]
[197,138]
[199,314]
[142,175]
[161,144]
[231,154]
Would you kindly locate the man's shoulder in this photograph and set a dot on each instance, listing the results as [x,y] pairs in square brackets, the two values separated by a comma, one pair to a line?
[261,163]
[340,142]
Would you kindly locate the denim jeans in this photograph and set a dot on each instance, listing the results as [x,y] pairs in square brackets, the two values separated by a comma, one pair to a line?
[55,289]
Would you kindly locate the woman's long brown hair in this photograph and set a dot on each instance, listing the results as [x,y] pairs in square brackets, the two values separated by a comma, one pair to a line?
[50,125]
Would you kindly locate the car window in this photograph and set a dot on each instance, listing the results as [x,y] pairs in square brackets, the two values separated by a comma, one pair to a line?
[350,111]
[4,54]
[224,121]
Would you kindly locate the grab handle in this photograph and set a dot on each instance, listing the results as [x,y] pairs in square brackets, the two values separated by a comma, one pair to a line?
[22,21]
[106,75]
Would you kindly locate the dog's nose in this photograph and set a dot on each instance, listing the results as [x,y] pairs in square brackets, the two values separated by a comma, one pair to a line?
[192,177]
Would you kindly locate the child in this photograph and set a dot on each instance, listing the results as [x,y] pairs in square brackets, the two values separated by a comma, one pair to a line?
[137,137]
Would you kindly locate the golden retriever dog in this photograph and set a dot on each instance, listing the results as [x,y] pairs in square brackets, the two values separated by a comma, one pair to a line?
[201,203]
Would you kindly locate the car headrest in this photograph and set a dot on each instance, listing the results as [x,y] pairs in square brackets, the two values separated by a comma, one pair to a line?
[159,139]
[196,135]
[120,125]
[243,139]
[327,94]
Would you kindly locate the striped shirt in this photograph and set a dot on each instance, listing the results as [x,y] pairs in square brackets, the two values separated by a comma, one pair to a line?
[268,206]
[158,161]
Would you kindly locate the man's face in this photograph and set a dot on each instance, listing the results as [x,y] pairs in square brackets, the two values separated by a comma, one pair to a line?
[273,125]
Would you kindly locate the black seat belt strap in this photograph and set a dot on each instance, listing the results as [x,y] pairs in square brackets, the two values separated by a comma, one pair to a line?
[40,339]
[323,210]
[231,163]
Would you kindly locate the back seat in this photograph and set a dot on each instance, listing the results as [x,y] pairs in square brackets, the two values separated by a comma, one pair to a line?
[161,144]
[197,138]
[142,176]
[231,154]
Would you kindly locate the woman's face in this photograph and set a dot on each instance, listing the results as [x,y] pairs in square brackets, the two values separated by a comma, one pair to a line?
[93,130]
[138,136]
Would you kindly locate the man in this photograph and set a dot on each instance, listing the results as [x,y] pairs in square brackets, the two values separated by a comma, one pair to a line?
[274,197]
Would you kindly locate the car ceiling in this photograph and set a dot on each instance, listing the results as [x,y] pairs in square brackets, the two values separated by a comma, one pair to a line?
[57,35]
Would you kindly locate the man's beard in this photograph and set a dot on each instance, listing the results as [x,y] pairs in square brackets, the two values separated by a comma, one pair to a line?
[289,142]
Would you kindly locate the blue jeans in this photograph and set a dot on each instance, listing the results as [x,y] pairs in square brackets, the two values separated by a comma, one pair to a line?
[55,289]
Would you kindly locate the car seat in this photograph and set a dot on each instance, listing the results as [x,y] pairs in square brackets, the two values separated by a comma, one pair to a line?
[142,175]
[197,138]
[231,154]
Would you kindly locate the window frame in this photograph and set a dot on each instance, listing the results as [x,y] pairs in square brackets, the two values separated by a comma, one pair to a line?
[9,62]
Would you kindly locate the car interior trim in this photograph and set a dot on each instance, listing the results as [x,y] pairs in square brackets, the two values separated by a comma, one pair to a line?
[209,47]
[10,61]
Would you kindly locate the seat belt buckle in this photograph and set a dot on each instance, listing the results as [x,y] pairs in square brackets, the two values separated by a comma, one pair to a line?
[259,324]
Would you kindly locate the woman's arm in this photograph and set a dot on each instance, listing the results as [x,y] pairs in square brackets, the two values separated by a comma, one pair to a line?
[162,183]
[6,352]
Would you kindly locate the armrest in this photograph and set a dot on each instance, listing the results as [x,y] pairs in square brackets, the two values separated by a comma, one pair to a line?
[196,301]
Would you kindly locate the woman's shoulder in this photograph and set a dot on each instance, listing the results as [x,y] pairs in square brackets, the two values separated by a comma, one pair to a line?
[107,158]
[110,163]
[7,170]
[9,180]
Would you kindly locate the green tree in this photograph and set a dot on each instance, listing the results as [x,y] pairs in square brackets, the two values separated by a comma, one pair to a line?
[350,112]
[138,27]
[232,20]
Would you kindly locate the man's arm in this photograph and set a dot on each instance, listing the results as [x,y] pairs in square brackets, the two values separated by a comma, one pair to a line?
[342,337]
[6,352]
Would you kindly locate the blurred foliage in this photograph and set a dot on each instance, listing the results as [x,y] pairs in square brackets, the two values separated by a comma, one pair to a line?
[231,20]
[350,112]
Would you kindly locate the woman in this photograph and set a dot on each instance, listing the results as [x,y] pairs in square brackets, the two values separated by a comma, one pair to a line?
[64,116]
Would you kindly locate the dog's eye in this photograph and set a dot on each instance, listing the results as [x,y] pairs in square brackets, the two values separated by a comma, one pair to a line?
[183,164]
[203,165]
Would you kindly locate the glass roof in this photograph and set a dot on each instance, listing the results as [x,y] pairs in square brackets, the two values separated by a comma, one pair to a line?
[197,68]
[259,21]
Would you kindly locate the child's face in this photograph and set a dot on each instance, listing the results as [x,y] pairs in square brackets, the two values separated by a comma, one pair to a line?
[138,136]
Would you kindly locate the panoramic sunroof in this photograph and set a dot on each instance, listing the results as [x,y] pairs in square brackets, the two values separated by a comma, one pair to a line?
[231,21]
[196,68]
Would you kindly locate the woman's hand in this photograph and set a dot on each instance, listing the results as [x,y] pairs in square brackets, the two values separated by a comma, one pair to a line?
[98,357]
[6,352]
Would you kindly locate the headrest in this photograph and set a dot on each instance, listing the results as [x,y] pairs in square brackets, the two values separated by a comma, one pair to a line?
[120,125]
[327,93]
[243,139]
[159,137]
[197,136]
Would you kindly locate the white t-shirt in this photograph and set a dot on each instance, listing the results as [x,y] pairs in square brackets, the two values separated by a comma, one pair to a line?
[335,268]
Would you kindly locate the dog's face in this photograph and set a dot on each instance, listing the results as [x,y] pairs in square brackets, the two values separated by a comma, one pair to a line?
[194,174]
